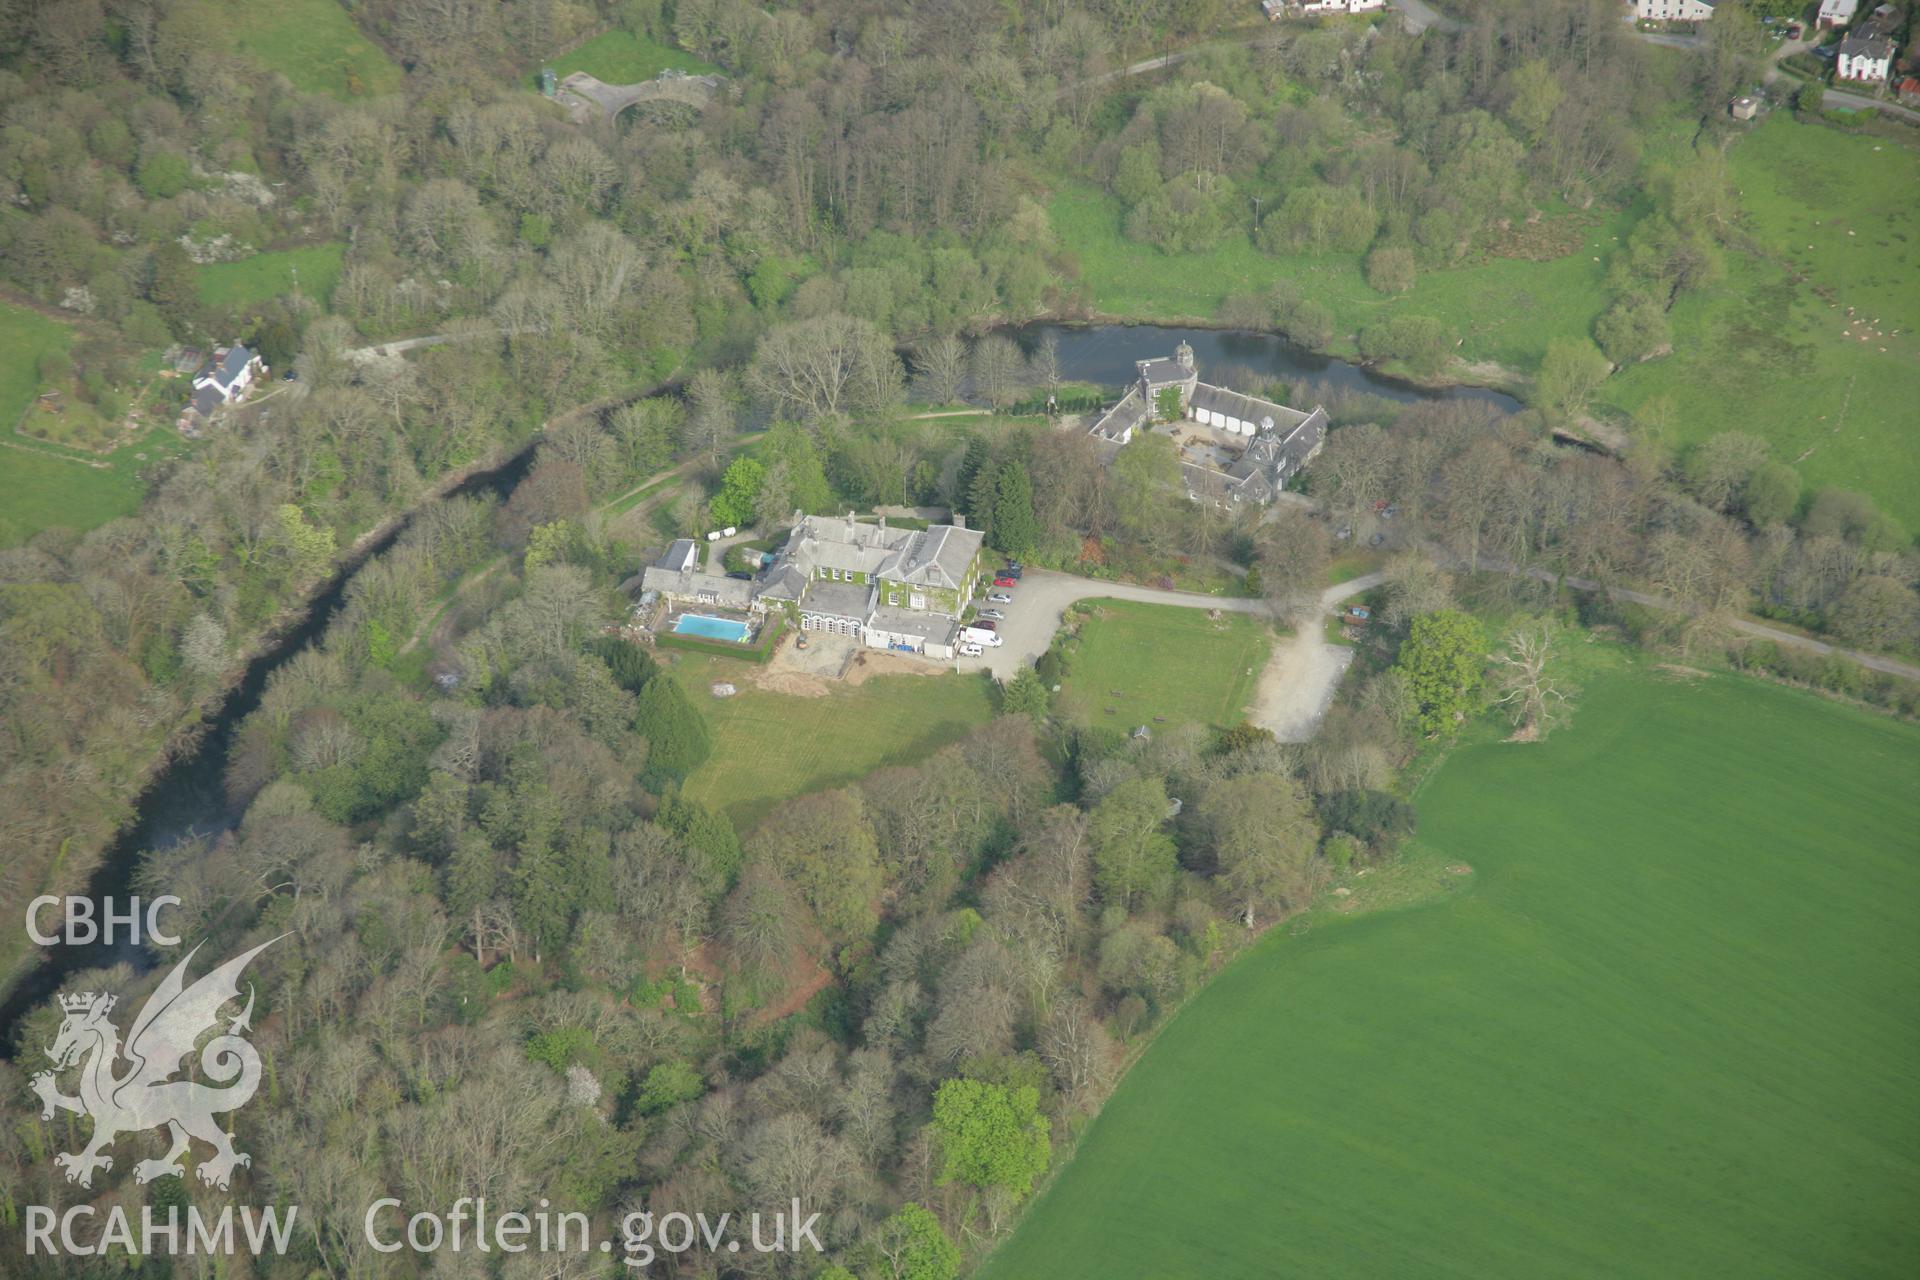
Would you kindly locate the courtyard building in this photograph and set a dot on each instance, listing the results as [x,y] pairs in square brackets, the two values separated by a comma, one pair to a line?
[1234,447]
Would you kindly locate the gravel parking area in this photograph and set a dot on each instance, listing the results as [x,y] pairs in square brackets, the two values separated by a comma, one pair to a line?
[1293,692]
[1041,599]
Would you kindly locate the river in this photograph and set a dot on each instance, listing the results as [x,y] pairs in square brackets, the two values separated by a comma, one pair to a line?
[188,798]
[1104,355]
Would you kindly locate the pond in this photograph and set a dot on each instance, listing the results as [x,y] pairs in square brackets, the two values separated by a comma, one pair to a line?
[1104,355]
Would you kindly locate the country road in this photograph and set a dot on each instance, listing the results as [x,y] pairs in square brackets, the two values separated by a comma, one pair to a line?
[1299,683]
[1746,626]
[1303,673]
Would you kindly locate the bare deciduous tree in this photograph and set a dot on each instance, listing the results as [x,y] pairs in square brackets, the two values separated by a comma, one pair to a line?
[1529,690]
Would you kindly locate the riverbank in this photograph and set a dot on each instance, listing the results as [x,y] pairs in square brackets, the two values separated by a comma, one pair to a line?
[1103,351]
[183,782]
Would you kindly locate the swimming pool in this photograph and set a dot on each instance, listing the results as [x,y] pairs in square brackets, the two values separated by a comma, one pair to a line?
[698,624]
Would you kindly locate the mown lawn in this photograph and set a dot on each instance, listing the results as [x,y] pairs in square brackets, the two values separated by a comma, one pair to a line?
[1159,660]
[311,42]
[1666,1028]
[42,492]
[268,275]
[43,485]
[768,747]
[621,57]
[25,336]
[1506,309]
[1773,349]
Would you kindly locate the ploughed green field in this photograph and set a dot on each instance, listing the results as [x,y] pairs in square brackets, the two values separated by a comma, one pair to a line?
[265,276]
[1813,342]
[313,43]
[1670,1027]
[621,57]
[769,747]
[1149,660]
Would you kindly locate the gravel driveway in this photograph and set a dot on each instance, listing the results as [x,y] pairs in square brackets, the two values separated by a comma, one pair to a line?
[1041,598]
[1294,690]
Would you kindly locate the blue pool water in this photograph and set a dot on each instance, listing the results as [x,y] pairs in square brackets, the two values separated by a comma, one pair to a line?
[696,624]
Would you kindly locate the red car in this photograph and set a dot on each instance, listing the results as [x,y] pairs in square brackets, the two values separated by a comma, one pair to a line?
[1004,581]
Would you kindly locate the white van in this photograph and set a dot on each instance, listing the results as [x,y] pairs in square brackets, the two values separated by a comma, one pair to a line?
[982,634]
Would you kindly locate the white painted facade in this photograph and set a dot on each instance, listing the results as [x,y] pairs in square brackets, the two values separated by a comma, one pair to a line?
[1672,10]
[1341,6]
[1858,68]
[1837,13]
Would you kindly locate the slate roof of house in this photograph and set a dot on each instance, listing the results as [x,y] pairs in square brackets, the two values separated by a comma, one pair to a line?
[238,357]
[1246,408]
[936,557]
[682,555]
[842,599]
[732,593]
[935,627]
[1123,417]
[206,400]
[1162,371]
[1867,42]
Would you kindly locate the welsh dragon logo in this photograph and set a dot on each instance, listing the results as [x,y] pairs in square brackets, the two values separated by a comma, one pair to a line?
[144,1095]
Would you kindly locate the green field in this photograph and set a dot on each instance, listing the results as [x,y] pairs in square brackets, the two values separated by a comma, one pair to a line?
[621,57]
[44,485]
[1668,1027]
[1151,660]
[313,43]
[768,747]
[268,275]
[38,491]
[1773,350]
[1507,309]
[25,336]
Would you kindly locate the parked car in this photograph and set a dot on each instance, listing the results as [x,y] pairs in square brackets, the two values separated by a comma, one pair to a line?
[971,650]
[987,625]
[992,613]
[1012,571]
[1000,597]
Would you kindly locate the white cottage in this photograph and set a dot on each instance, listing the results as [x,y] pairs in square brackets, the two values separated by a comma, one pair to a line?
[1866,57]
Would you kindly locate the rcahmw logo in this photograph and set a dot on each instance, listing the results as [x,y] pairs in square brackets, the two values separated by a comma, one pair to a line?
[130,1089]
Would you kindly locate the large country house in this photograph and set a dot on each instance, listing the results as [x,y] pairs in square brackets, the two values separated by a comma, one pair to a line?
[890,587]
[1234,448]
